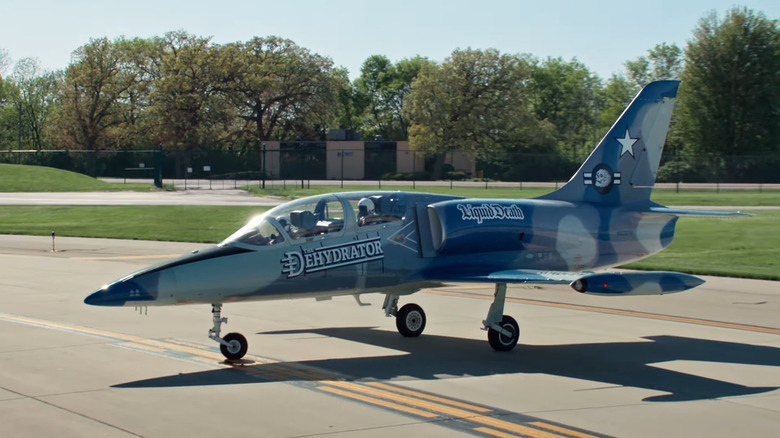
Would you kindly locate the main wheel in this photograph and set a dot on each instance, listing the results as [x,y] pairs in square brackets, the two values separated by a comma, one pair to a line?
[505,341]
[236,347]
[410,320]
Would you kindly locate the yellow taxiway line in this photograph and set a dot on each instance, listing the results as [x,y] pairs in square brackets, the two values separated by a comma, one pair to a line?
[484,420]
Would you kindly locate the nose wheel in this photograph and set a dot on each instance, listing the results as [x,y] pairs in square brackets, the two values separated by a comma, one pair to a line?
[234,345]
[409,319]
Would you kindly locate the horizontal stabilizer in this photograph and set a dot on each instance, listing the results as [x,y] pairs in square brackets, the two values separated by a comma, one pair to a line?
[697,213]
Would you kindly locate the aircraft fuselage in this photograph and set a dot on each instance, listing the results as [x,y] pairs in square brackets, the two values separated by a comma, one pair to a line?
[431,237]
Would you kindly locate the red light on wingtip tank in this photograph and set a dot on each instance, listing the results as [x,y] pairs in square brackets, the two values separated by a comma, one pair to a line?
[606,285]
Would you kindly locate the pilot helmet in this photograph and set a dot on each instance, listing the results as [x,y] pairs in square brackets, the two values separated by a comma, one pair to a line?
[283,222]
[366,206]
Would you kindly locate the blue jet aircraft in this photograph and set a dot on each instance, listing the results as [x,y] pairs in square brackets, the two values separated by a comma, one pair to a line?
[397,243]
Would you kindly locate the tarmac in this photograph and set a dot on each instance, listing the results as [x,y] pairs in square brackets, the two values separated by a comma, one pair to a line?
[705,362]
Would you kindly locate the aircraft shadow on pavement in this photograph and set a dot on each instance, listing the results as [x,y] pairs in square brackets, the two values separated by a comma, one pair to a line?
[438,357]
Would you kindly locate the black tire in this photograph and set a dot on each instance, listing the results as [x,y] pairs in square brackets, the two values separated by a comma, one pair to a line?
[410,320]
[237,348]
[501,342]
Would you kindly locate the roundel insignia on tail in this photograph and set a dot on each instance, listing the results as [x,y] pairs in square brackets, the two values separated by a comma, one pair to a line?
[602,178]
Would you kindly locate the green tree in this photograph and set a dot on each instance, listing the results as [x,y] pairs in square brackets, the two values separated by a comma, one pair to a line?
[9,114]
[282,90]
[664,61]
[141,60]
[36,97]
[730,94]
[94,83]
[187,107]
[565,94]
[384,86]
[475,101]
[351,104]
[613,98]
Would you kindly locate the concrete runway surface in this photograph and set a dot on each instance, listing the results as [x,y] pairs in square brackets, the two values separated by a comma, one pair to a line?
[700,363]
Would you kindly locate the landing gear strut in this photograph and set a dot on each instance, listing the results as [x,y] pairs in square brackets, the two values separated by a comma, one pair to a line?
[503,331]
[234,345]
[409,320]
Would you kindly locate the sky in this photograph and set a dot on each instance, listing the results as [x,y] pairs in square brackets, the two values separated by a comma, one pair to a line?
[603,35]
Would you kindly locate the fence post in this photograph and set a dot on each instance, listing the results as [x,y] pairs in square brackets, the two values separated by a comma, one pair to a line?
[678,166]
[263,167]
[303,165]
[452,165]
[158,164]
[414,169]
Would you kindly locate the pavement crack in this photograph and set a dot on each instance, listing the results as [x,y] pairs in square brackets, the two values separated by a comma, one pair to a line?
[70,411]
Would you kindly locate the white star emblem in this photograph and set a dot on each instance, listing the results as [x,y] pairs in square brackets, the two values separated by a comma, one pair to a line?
[627,144]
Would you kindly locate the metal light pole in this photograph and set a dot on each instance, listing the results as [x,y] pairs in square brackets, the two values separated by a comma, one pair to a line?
[19,142]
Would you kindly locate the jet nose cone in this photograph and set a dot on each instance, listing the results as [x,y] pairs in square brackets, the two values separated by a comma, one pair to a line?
[131,290]
[104,297]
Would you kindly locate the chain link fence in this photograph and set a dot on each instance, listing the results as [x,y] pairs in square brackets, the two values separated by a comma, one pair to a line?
[307,161]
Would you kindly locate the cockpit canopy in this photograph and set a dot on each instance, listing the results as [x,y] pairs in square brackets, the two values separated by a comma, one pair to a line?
[319,216]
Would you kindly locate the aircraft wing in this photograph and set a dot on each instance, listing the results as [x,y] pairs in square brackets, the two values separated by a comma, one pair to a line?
[697,213]
[604,283]
[510,276]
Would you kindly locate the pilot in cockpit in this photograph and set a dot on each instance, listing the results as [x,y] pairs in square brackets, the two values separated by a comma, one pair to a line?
[283,222]
[365,209]
[279,238]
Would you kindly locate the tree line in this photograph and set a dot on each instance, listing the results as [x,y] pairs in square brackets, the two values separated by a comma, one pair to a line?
[183,92]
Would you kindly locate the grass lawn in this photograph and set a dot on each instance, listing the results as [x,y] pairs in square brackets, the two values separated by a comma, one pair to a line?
[170,223]
[22,178]
[751,198]
[746,247]
[743,247]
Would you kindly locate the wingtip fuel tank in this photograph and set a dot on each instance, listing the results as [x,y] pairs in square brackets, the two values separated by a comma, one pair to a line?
[635,283]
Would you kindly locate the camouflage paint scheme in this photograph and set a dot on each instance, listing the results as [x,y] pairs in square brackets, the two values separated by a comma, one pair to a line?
[331,244]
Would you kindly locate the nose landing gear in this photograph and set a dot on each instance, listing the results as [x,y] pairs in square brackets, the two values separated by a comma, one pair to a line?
[234,345]
[409,320]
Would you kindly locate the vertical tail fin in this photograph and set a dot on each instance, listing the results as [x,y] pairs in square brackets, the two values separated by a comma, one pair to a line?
[622,168]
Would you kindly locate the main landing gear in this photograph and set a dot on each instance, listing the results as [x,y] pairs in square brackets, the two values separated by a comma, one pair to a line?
[503,331]
[234,345]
